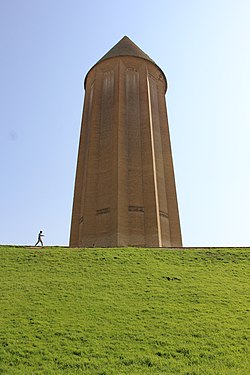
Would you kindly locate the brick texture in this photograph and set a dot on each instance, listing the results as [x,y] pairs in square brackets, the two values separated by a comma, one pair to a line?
[125,191]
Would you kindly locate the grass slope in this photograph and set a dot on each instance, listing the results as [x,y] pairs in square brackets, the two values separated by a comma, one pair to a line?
[124,311]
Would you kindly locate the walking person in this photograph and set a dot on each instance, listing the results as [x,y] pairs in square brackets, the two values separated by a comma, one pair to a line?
[40,235]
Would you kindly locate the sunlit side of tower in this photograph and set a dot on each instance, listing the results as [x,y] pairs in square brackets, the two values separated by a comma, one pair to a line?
[125,191]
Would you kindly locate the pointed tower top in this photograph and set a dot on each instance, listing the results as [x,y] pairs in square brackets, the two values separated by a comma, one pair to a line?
[125,47]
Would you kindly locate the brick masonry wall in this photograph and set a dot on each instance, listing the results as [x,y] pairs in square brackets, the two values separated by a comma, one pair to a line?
[125,190]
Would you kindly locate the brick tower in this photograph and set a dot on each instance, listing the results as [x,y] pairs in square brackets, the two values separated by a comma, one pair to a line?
[125,189]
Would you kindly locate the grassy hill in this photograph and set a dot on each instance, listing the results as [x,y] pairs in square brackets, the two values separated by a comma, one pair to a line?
[124,311]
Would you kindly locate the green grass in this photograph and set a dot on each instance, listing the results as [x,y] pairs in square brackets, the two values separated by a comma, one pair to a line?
[124,311]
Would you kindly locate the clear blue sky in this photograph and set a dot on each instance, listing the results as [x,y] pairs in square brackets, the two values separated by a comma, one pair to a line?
[46,49]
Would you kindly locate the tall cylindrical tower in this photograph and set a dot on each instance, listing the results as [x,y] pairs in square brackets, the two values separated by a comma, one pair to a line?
[125,191]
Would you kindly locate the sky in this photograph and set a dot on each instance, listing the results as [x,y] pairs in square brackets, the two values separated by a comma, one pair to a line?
[46,49]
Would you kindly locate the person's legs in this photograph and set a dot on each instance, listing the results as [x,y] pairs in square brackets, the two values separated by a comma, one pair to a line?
[37,243]
[41,242]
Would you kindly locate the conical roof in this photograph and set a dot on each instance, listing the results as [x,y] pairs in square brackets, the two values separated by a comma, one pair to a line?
[125,47]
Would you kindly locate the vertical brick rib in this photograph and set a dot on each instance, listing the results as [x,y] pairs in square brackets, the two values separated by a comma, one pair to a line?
[154,164]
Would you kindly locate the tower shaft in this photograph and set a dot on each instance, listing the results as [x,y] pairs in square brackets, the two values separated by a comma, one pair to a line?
[125,191]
